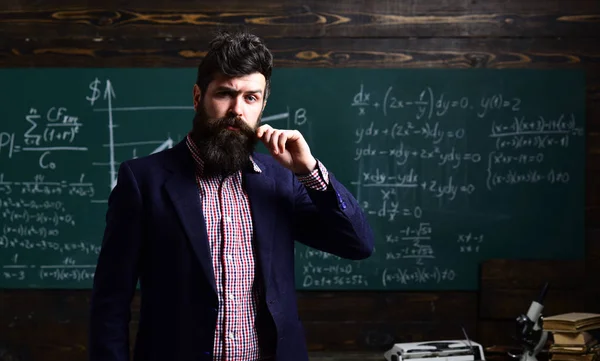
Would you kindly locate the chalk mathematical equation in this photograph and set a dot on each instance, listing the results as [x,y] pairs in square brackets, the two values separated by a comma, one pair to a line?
[67,270]
[411,152]
[55,130]
[45,216]
[433,165]
[427,104]
[62,164]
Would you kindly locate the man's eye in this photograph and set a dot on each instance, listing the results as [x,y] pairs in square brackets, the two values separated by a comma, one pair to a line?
[252,98]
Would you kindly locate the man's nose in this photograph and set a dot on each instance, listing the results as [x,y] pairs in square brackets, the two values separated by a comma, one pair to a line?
[236,107]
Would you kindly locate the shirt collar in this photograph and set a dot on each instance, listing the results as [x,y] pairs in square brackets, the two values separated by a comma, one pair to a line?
[200,163]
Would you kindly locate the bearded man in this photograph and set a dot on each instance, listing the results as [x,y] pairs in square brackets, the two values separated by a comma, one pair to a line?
[208,228]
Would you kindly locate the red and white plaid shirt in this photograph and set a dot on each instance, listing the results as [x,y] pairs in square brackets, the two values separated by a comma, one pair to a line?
[230,235]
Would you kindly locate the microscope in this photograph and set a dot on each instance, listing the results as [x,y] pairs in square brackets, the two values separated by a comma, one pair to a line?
[530,333]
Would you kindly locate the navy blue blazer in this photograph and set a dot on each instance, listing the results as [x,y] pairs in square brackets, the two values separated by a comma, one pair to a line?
[155,233]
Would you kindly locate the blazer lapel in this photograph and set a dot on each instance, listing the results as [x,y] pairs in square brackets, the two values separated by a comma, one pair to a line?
[182,189]
[260,188]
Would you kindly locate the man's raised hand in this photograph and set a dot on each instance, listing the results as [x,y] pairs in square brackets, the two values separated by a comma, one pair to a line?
[289,148]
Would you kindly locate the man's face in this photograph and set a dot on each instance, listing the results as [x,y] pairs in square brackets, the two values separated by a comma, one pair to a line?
[241,97]
[227,117]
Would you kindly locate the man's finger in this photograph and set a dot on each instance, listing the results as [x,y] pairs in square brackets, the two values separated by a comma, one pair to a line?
[294,134]
[267,135]
[275,140]
[262,129]
[282,140]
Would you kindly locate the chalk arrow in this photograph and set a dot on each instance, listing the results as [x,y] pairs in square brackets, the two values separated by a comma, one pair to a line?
[166,144]
[109,93]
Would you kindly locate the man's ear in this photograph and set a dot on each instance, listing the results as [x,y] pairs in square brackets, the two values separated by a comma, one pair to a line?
[197,97]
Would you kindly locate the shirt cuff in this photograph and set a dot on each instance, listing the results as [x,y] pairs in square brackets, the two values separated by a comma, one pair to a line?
[318,179]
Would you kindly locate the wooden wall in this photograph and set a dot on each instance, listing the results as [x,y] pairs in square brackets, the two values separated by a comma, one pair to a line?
[51,325]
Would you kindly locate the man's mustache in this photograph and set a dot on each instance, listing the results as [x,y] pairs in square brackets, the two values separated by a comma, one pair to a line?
[236,122]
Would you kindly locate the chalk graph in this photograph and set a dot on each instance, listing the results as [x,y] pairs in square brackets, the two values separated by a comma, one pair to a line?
[286,118]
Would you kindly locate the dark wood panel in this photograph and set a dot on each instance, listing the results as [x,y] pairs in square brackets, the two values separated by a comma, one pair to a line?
[380,336]
[345,356]
[37,305]
[307,19]
[52,324]
[44,324]
[500,304]
[593,147]
[385,6]
[592,269]
[592,303]
[371,53]
[592,191]
[494,333]
[509,286]
[593,250]
[386,307]
[508,274]
[592,215]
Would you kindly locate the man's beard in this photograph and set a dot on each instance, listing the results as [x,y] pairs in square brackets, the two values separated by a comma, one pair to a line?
[223,151]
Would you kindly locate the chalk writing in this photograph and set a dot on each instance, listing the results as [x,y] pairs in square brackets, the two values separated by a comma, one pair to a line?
[401,138]
[449,170]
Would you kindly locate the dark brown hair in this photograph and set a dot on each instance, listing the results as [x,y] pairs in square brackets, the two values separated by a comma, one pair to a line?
[235,54]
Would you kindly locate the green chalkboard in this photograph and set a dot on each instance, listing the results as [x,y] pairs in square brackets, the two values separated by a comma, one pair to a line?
[452,166]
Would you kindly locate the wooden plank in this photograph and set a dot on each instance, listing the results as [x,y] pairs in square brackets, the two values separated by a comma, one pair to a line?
[374,320]
[494,333]
[371,53]
[592,269]
[499,338]
[592,216]
[592,192]
[509,274]
[45,324]
[379,336]
[52,324]
[314,18]
[422,6]
[593,148]
[387,307]
[593,253]
[591,302]
[498,304]
[509,286]
[43,305]
[345,356]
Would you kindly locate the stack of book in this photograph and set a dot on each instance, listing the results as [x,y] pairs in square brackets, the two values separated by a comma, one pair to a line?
[575,336]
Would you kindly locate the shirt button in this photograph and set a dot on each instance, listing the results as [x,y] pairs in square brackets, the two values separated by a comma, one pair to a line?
[231,296]
[228,219]
[231,335]
[230,257]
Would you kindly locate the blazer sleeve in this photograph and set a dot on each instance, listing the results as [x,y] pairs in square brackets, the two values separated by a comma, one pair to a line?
[116,274]
[331,220]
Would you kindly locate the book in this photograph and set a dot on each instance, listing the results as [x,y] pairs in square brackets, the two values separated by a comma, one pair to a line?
[577,349]
[574,338]
[573,322]
[573,357]
[591,354]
